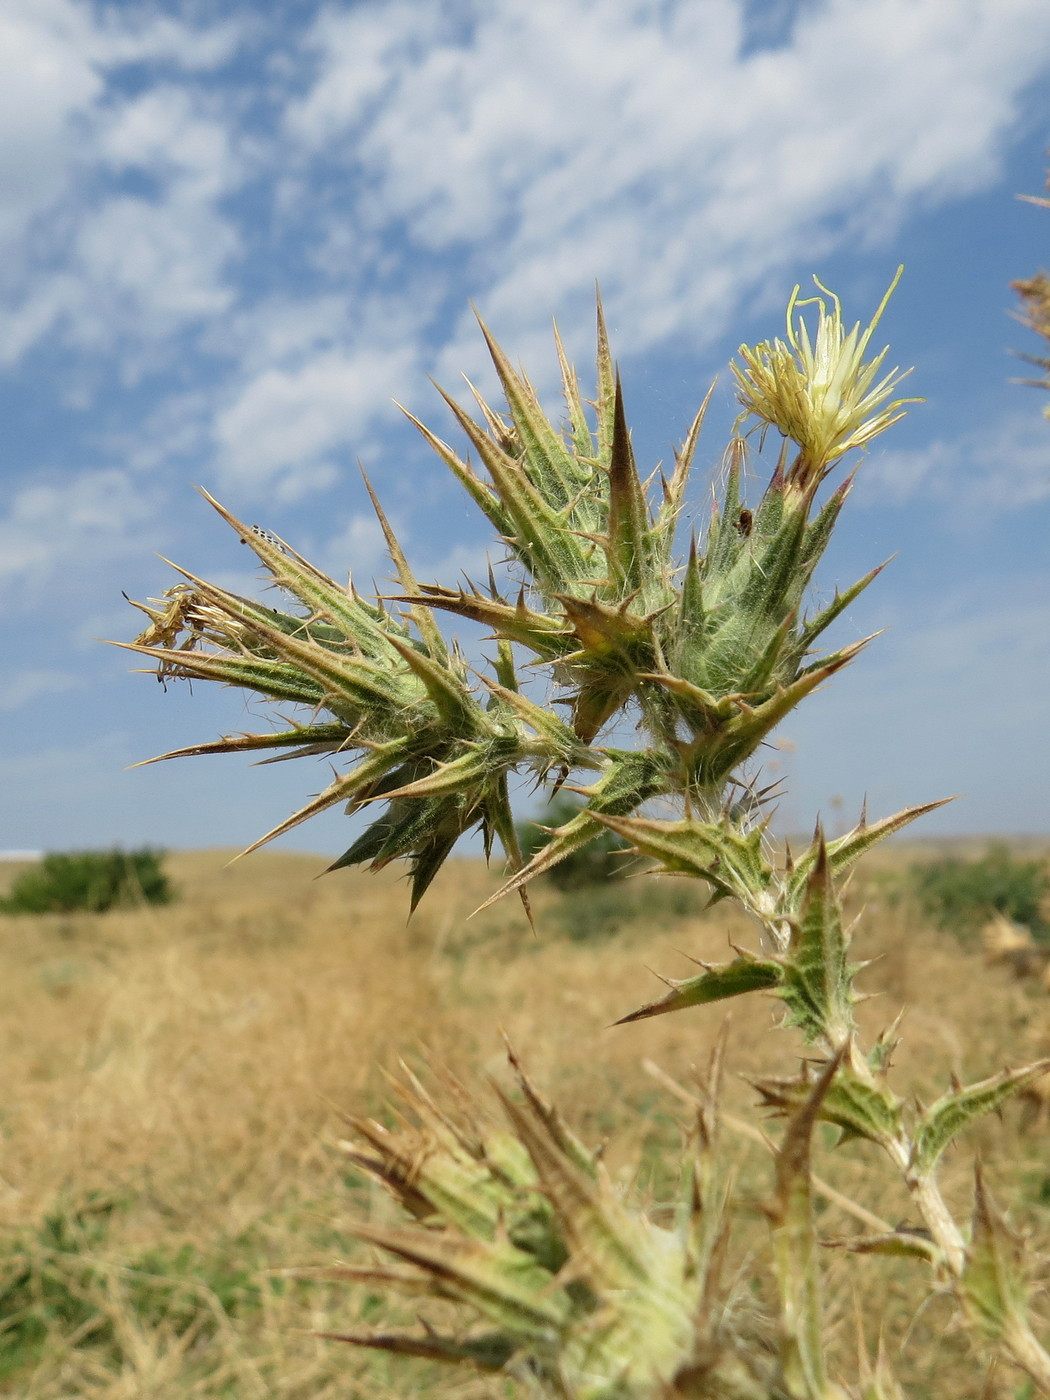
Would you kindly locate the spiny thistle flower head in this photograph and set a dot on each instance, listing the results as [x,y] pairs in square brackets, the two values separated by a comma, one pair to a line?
[710,653]
[818,390]
[572,1288]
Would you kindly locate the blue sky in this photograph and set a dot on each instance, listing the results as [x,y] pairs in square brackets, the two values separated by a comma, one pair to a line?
[232,234]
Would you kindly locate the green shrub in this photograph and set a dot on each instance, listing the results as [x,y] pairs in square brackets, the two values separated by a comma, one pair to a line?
[604,858]
[961,895]
[89,882]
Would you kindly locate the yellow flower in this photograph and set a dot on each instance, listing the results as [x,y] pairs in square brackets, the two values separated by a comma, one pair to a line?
[818,390]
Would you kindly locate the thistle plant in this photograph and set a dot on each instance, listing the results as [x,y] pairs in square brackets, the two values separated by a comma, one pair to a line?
[566,1283]
[1034,293]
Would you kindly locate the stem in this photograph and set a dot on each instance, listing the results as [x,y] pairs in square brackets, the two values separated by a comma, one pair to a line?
[1028,1354]
[935,1214]
[947,1235]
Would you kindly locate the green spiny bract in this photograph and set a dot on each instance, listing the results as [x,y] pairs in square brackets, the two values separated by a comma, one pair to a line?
[712,652]
[573,1289]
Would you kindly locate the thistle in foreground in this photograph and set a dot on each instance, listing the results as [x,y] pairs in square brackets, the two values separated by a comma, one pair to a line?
[572,1289]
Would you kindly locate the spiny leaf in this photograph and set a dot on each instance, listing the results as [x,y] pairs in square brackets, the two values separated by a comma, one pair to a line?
[605,404]
[422,616]
[595,1224]
[812,630]
[564,744]
[449,691]
[844,851]
[701,710]
[629,552]
[724,543]
[538,532]
[853,1103]
[795,1250]
[582,440]
[549,463]
[276,679]
[630,779]
[743,974]
[314,589]
[817,975]
[490,1352]
[993,1282]
[349,788]
[483,494]
[674,492]
[604,689]
[962,1106]
[469,770]
[603,630]
[331,736]
[502,1282]
[750,728]
[901,1243]
[730,860]
[546,635]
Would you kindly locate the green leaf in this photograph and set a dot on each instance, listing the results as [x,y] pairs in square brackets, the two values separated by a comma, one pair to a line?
[674,491]
[483,494]
[275,679]
[724,544]
[731,861]
[536,530]
[962,1106]
[743,974]
[469,770]
[901,1243]
[502,1282]
[813,629]
[605,402]
[796,1252]
[582,440]
[565,746]
[552,467]
[630,779]
[489,1352]
[852,1102]
[993,1282]
[322,596]
[421,616]
[844,851]
[817,976]
[548,636]
[715,763]
[349,787]
[449,691]
[630,549]
[311,738]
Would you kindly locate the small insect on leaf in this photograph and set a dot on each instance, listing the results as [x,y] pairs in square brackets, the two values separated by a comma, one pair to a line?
[268,536]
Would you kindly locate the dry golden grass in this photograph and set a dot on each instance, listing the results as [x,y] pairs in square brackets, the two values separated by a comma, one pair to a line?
[173,1078]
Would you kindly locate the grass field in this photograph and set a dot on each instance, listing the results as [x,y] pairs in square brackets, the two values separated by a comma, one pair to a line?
[173,1081]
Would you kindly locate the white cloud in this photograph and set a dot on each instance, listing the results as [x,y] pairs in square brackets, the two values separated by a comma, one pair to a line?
[162,261]
[77,256]
[994,469]
[359,550]
[71,525]
[549,142]
[26,686]
[282,429]
[46,79]
[130,38]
